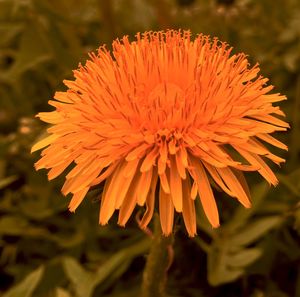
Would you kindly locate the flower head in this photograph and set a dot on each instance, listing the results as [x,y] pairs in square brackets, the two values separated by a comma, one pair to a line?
[162,114]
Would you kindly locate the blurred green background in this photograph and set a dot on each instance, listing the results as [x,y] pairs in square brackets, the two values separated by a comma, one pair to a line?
[47,251]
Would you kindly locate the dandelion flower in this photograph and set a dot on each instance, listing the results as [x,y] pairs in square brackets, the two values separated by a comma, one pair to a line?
[163,114]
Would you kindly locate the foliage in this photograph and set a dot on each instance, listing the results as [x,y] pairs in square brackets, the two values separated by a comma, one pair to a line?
[47,251]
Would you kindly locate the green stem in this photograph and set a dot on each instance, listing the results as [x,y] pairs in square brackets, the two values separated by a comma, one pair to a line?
[155,273]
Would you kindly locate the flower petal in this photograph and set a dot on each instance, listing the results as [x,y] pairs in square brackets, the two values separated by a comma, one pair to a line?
[166,212]
[150,200]
[188,209]
[44,142]
[234,185]
[176,186]
[205,192]
[77,199]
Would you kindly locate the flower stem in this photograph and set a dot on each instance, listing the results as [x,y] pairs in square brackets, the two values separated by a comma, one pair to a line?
[158,262]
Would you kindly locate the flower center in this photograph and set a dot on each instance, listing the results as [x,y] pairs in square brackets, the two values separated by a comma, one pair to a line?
[167,96]
[169,137]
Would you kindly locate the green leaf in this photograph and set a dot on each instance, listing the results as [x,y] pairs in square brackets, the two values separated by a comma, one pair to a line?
[81,279]
[225,266]
[70,241]
[203,245]
[32,52]
[244,257]
[291,181]
[16,225]
[8,31]
[12,225]
[26,287]
[218,270]
[62,293]
[117,273]
[254,231]
[224,276]
[85,282]
[7,181]
[227,258]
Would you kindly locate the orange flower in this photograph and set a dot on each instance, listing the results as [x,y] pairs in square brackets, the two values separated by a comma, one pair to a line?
[162,113]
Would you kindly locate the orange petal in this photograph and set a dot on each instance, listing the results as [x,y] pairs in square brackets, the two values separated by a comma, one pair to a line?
[175,186]
[164,182]
[166,212]
[137,152]
[57,170]
[77,199]
[114,184]
[268,138]
[264,151]
[144,186]
[52,117]
[63,97]
[183,156]
[234,185]
[161,165]
[216,177]
[264,169]
[273,97]
[180,166]
[124,187]
[105,174]
[44,142]
[80,167]
[194,190]
[150,200]
[129,201]
[205,192]
[188,209]
[149,160]
[163,151]
[79,182]
[272,120]
[130,168]
[240,176]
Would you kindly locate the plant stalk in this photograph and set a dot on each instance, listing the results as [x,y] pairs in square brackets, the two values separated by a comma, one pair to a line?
[157,264]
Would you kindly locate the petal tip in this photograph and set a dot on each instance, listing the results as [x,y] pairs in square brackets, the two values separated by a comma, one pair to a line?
[121,224]
[103,222]
[215,225]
